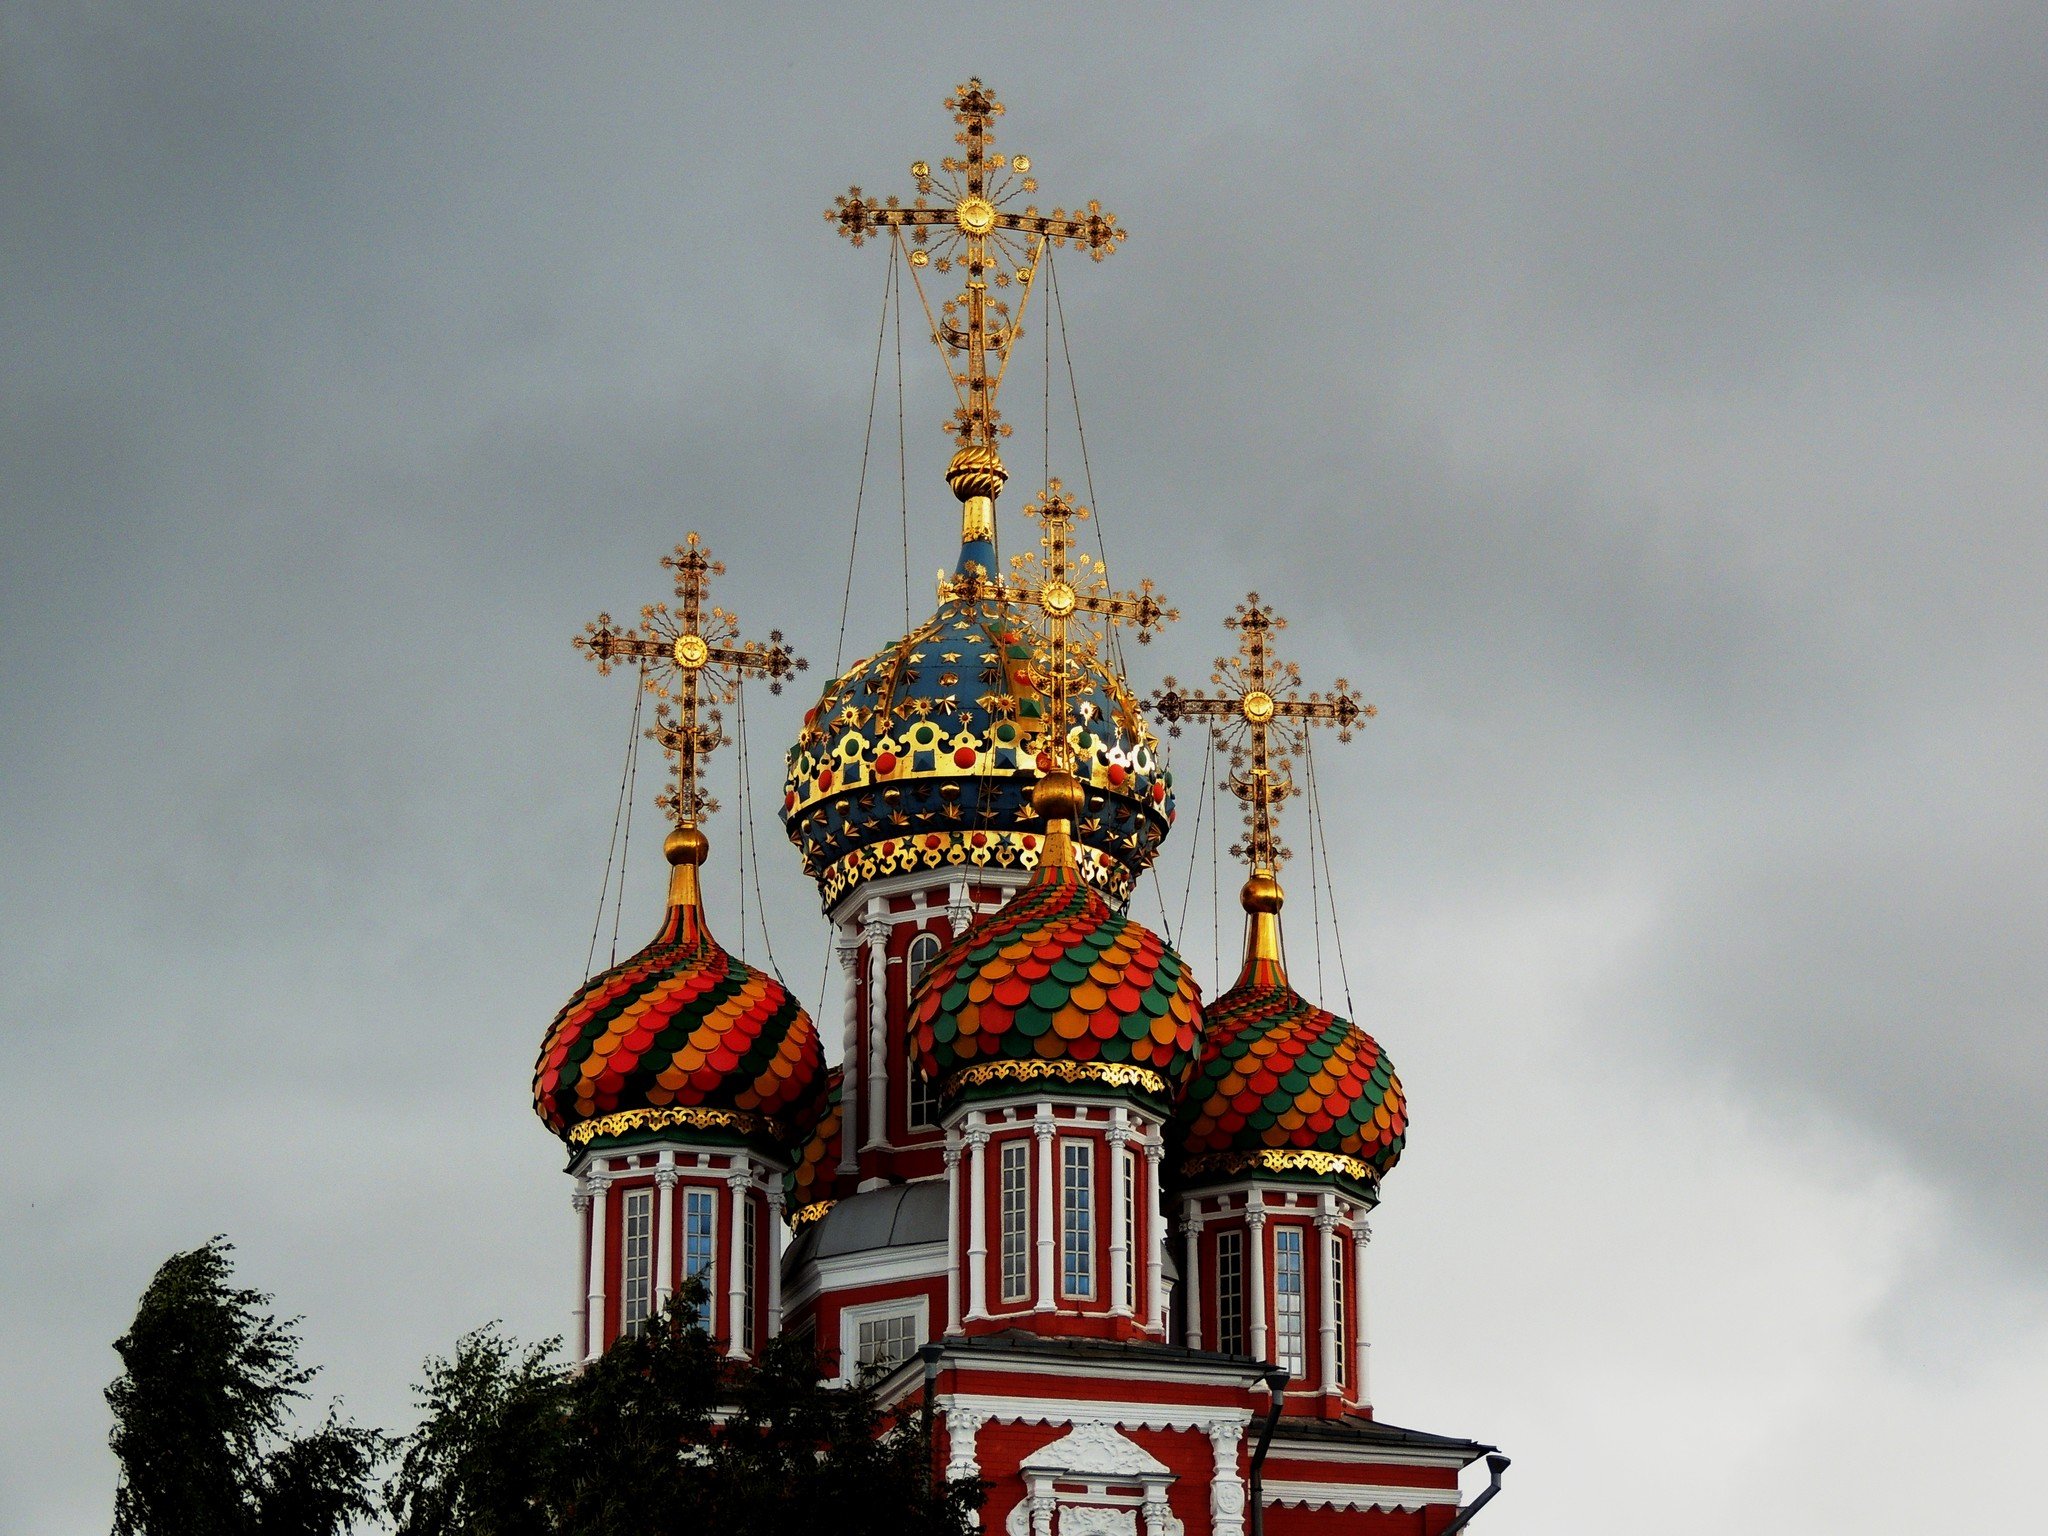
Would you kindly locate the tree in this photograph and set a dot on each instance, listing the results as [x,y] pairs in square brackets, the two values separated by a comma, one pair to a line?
[664,1434]
[202,1413]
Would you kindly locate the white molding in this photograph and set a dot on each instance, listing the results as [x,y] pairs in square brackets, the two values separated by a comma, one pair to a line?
[1355,1496]
[1067,1412]
[1362,1455]
[876,1266]
[924,881]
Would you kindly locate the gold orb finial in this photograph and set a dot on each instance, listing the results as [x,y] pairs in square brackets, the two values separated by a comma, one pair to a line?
[1058,796]
[1262,893]
[686,845]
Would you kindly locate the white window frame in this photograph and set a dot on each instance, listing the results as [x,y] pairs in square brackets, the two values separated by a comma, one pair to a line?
[1230,1317]
[920,1093]
[636,1258]
[695,1197]
[1290,1307]
[1077,1219]
[1334,1266]
[918,1308]
[1013,1177]
[750,1262]
[1128,1280]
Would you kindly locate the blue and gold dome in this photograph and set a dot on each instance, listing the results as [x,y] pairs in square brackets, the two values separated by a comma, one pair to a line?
[922,756]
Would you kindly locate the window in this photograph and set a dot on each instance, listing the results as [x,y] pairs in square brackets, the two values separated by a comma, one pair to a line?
[1337,1295]
[1077,1218]
[750,1238]
[1129,1279]
[636,1294]
[699,1208]
[1289,1317]
[1230,1292]
[885,1340]
[923,1097]
[1016,1218]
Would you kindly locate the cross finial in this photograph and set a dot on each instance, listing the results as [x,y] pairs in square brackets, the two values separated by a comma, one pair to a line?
[964,216]
[1066,589]
[1261,719]
[693,660]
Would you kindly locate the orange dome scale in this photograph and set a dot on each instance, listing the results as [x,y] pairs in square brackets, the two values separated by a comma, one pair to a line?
[680,1034]
[811,1183]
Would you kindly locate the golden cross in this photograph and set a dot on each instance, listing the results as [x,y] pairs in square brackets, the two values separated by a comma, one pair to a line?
[1062,586]
[974,228]
[691,660]
[1261,709]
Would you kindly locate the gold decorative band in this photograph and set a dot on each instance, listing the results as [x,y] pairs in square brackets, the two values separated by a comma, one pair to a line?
[1279,1160]
[1117,1074]
[660,1119]
[804,1215]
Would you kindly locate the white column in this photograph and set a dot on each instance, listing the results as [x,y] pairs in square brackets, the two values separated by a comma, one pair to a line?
[776,1202]
[1042,1506]
[962,1425]
[1119,1158]
[1158,1514]
[959,910]
[1326,1364]
[1048,1201]
[664,1229]
[977,1216]
[579,1332]
[875,931]
[598,1183]
[736,1266]
[953,1194]
[1255,1240]
[1191,1273]
[851,1058]
[1361,1234]
[1155,1238]
[1226,1488]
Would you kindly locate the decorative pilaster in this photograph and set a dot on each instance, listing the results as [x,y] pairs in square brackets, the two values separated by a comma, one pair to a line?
[1326,1363]
[1122,1295]
[1191,1273]
[874,934]
[962,1425]
[776,1203]
[664,1230]
[977,1218]
[1154,1236]
[1047,1203]
[1226,1487]
[736,1269]
[1042,1506]
[1255,1240]
[1361,1234]
[597,1183]
[579,1332]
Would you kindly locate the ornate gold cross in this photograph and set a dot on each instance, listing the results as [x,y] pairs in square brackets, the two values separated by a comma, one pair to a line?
[1261,720]
[1062,586]
[972,226]
[692,661]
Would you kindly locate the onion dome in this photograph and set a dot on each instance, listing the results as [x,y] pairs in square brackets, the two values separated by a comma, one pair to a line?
[811,1184]
[923,755]
[1057,986]
[681,1035]
[1283,1086]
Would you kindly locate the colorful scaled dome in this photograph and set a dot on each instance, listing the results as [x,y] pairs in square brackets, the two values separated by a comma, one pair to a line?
[682,1034]
[1284,1086]
[923,755]
[1057,986]
[811,1184]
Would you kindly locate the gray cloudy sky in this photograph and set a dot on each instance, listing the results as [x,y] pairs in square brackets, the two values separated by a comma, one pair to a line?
[1643,404]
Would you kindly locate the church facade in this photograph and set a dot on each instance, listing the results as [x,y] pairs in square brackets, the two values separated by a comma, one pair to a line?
[1116,1235]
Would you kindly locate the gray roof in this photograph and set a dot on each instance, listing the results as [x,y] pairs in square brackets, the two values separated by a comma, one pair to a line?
[900,1216]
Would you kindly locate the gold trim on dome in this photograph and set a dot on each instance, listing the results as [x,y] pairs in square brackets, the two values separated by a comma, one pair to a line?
[999,849]
[1117,1074]
[668,1116]
[1282,1160]
[804,1215]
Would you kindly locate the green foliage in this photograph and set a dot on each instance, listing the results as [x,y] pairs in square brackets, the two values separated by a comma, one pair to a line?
[202,1411]
[663,1434]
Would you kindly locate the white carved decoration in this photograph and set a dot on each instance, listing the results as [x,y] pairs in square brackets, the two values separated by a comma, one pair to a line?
[1095,1451]
[1093,1520]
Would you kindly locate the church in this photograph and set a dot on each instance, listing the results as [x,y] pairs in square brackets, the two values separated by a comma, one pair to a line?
[1115,1233]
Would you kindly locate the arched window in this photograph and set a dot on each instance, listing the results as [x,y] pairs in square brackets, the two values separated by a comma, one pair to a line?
[923,1094]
